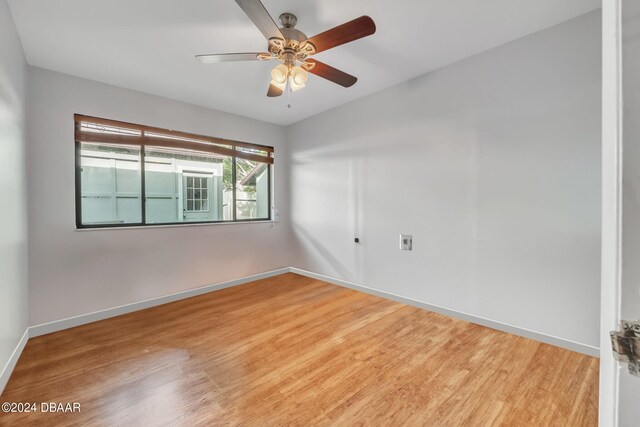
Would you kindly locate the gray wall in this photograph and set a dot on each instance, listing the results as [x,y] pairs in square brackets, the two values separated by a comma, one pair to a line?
[629,410]
[77,272]
[492,163]
[13,212]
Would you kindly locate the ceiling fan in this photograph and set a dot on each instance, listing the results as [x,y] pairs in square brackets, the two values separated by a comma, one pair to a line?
[293,49]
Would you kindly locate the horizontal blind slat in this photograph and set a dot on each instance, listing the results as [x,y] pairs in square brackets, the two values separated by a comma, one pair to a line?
[79,118]
[164,139]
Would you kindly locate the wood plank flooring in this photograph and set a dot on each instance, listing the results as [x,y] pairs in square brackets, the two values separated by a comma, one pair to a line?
[290,350]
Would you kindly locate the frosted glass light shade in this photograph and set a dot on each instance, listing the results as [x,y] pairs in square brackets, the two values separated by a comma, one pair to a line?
[279,74]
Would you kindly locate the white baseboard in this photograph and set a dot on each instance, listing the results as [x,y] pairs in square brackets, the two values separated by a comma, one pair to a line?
[13,360]
[58,325]
[558,342]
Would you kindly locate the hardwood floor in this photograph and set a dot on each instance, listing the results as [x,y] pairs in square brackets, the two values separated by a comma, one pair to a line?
[290,350]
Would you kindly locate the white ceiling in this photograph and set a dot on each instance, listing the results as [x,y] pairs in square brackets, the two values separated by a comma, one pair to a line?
[149,45]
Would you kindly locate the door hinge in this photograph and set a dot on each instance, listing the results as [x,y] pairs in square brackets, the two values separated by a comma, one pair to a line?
[626,345]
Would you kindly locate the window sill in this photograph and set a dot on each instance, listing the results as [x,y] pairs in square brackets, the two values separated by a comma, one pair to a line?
[207,224]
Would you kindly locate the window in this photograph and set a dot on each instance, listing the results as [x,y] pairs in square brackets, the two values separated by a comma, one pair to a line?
[252,189]
[197,196]
[130,174]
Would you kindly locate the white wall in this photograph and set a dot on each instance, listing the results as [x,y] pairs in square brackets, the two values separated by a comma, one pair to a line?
[493,164]
[13,212]
[629,410]
[77,272]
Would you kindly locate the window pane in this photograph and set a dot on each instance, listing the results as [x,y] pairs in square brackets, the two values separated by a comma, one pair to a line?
[227,185]
[176,177]
[252,189]
[110,184]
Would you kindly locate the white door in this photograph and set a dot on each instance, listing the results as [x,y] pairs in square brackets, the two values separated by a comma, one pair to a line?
[619,390]
[197,192]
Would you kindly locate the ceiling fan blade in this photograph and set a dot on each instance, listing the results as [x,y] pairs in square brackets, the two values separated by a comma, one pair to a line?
[332,74]
[256,11]
[345,33]
[274,91]
[230,57]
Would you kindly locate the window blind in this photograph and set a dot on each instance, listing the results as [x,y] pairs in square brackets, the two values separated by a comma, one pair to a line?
[97,130]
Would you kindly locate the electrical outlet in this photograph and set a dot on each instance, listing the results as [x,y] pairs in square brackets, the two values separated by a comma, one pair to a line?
[406,242]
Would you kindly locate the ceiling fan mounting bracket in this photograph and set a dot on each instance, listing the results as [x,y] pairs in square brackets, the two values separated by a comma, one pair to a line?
[288,20]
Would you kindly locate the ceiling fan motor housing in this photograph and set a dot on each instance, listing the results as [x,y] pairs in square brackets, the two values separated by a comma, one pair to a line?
[295,47]
[289,21]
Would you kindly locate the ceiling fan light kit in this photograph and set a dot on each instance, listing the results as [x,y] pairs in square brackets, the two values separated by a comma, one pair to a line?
[287,74]
[293,49]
